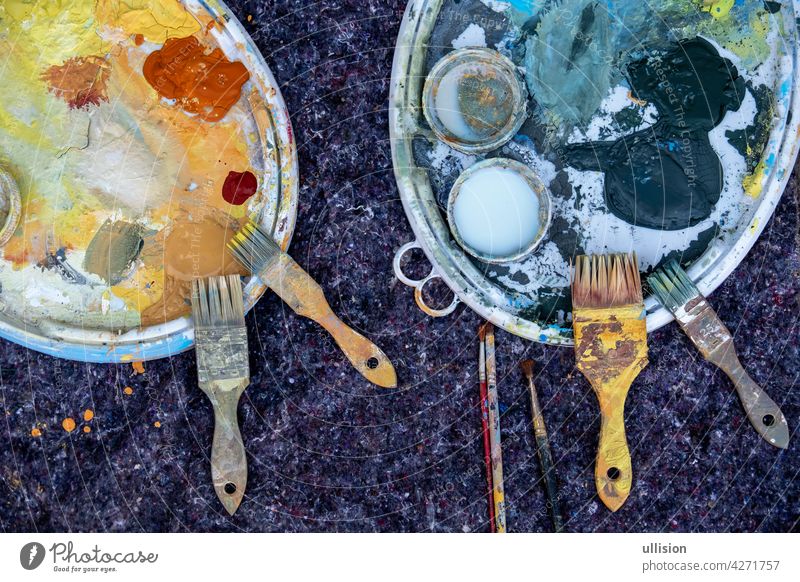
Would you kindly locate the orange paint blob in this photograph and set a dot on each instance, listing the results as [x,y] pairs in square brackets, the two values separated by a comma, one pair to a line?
[157,424]
[80,81]
[200,249]
[138,367]
[68,424]
[87,429]
[88,414]
[205,83]
[128,390]
[35,432]
[138,39]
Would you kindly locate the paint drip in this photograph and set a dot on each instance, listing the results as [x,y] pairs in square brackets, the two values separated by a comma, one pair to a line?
[205,83]
[239,187]
[668,177]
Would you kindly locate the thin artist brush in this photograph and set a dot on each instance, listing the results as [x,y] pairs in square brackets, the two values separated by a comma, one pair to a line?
[487,451]
[498,491]
[543,448]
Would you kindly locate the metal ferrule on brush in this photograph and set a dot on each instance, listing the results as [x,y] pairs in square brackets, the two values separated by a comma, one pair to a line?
[220,333]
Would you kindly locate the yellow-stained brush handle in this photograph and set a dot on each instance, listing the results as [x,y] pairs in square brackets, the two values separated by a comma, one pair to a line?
[306,298]
[613,474]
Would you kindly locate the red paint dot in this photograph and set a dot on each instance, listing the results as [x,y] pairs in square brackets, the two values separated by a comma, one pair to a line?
[239,187]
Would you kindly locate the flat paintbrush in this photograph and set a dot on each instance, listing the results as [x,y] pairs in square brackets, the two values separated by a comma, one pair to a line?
[697,318]
[223,372]
[611,349]
[256,250]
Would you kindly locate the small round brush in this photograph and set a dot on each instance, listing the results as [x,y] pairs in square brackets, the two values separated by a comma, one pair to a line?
[543,448]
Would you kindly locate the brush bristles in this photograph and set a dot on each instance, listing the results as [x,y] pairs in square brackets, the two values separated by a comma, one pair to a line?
[253,247]
[672,286]
[606,281]
[527,368]
[217,302]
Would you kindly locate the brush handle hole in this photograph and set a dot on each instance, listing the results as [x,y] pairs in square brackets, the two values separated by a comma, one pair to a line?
[768,420]
[373,363]
[230,488]
[613,473]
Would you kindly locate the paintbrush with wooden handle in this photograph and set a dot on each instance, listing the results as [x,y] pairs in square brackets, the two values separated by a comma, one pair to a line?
[487,447]
[676,291]
[223,372]
[611,349]
[256,250]
[543,448]
[495,443]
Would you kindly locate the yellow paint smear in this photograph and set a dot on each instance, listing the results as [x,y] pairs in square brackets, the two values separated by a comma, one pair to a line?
[752,183]
[155,21]
[719,8]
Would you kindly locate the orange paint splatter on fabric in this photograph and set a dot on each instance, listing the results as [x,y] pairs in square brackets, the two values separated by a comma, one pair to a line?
[35,432]
[128,390]
[88,414]
[138,367]
[157,424]
[68,424]
[87,429]
[205,83]
[80,81]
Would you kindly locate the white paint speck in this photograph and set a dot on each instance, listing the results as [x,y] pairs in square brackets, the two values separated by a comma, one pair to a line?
[496,5]
[472,36]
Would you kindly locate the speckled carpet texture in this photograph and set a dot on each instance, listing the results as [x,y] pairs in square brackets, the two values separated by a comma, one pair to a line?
[327,451]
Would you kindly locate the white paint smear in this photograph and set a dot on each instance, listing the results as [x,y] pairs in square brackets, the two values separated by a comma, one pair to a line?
[474,35]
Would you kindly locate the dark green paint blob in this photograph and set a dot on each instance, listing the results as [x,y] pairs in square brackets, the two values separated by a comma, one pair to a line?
[772,7]
[113,249]
[668,177]
[752,140]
